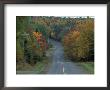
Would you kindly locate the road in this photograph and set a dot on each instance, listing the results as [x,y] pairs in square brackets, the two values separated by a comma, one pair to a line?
[60,65]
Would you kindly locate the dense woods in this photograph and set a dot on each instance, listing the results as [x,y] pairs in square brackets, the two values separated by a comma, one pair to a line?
[31,40]
[79,41]
[33,34]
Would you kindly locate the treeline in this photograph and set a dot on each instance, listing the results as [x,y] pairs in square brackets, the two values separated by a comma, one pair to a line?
[31,40]
[79,41]
[33,33]
[76,34]
[57,26]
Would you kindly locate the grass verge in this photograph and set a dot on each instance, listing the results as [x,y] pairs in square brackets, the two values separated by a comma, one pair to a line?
[88,66]
[38,68]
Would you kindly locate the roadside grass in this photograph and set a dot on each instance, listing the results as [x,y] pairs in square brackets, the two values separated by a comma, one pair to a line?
[38,68]
[88,66]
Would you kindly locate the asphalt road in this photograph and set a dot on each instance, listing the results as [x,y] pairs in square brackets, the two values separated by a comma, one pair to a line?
[60,65]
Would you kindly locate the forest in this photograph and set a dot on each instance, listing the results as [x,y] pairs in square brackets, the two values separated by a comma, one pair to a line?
[35,33]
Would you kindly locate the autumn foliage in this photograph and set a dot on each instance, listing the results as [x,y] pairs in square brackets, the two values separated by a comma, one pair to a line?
[79,42]
[33,34]
[31,44]
[41,40]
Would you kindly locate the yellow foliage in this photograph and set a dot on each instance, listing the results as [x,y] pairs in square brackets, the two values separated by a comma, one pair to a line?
[37,34]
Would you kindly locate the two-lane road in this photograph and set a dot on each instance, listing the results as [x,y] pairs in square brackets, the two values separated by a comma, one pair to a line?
[60,65]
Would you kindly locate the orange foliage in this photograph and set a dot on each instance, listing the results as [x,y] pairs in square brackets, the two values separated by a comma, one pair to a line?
[71,37]
[40,39]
